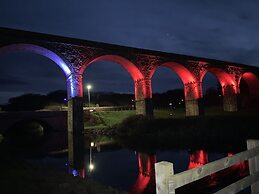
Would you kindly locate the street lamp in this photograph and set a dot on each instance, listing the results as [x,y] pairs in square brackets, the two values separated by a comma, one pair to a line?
[88,89]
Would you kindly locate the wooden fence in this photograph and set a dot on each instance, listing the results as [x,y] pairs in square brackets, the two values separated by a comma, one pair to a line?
[167,181]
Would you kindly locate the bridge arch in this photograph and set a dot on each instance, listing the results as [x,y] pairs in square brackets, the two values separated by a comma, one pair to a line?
[184,74]
[223,77]
[248,85]
[228,86]
[33,48]
[122,61]
[26,121]
[27,131]
[141,93]
[190,84]
[251,79]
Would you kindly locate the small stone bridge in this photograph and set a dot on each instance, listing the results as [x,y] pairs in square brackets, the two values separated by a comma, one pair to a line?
[53,120]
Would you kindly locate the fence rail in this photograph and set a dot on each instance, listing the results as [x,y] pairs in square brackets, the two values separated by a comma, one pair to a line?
[167,181]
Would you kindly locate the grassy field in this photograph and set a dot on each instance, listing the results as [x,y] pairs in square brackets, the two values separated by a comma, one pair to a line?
[166,113]
[102,120]
[107,119]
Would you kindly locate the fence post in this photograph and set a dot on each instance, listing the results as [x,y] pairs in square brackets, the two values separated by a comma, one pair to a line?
[253,164]
[163,171]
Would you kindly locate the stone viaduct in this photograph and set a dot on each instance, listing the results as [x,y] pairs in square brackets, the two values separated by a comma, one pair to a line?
[74,55]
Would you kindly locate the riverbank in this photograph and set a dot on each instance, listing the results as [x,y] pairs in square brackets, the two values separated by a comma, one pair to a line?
[203,131]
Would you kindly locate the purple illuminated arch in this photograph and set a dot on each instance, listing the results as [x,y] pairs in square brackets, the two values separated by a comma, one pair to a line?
[38,50]
[125,63]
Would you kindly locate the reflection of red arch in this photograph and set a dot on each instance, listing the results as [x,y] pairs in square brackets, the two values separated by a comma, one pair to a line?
[38,50]
[125,63]
[146,177]
[197,158]
[223,77]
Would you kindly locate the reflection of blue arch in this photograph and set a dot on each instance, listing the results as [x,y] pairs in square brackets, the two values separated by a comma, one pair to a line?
[38,50]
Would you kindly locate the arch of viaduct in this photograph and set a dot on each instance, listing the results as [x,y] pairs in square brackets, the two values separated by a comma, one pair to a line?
[74,55]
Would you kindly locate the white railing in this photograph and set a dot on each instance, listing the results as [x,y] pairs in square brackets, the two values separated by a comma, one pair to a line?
[167,181]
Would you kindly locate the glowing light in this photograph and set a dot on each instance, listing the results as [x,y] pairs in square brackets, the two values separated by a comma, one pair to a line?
[63,66]
[92,144]
[91,167]
[88,86]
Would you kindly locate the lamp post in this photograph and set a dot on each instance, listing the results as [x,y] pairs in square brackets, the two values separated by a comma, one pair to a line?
[88,90]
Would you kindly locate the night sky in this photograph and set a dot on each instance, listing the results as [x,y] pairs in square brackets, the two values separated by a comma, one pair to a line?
[224,30]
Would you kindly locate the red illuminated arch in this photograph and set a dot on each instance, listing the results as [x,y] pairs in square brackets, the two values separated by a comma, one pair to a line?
[249,96]
[251,80]
[184,74]
[125,63]
[186,77]
[223,77]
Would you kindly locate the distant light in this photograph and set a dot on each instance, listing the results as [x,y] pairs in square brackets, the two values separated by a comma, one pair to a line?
[219,95]
[182,100]
[179,102]
[65,99]
[92,144]
[91,167]
[170,104]
[88,87]
[91,110]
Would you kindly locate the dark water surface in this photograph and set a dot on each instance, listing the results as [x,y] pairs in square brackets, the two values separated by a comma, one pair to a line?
[133,171]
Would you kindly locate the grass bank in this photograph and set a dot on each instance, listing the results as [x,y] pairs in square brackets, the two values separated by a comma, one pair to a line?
[107,119]
[172,129]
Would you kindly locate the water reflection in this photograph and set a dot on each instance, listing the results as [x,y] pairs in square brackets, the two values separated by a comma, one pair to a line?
[146,177]
[75,172]
[197,158]
[139,173]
